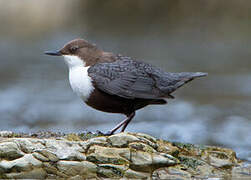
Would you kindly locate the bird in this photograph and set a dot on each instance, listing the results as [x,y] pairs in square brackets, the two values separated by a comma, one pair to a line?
[115,83]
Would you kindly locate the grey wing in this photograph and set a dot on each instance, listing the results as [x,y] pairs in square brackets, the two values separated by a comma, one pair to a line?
[132,79]
[126,79]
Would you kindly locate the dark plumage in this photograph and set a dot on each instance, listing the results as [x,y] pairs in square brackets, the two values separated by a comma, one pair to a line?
[132,79]
[122,84]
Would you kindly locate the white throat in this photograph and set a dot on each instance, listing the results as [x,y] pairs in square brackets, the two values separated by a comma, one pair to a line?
[80,82]
[72,61]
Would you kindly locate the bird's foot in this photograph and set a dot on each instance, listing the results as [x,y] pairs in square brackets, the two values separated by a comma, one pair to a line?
[108,133]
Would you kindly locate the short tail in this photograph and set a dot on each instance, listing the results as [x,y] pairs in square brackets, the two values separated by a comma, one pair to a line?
[183,78]
[158,101]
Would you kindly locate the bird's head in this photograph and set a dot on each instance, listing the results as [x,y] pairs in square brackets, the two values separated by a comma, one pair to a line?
[79,52]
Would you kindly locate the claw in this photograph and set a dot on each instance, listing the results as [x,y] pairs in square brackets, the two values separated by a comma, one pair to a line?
[108,133]
[99,132]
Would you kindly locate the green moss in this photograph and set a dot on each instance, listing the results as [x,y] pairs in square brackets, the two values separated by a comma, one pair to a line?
[119,161]
[148,150]
[220,155]
[2,176]
[86,136]
[92,159]
[109,171]
[16,135]
[73,137]
[105,160]
[187,146]
[141,147]
[175,153]
[189,162]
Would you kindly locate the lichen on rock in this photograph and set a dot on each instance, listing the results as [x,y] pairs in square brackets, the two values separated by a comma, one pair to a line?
[48,155]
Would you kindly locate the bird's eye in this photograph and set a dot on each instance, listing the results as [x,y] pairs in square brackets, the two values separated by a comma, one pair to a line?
[73,49]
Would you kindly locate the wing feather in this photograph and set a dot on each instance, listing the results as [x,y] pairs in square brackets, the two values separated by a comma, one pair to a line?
[133,79]
[124,79]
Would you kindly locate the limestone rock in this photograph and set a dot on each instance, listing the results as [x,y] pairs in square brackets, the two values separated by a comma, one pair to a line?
[122,139]
[73,168]
[242,171]
[161,159]
[141,147]
[110,170]
[141,159]
[40,157]
[94,141]
[25,163]
[48,154]
[131,174]
[39,173]
[6,134]
[171,173]
[103,155]
[146,136]
[10,150]
[121,156]
[29,145]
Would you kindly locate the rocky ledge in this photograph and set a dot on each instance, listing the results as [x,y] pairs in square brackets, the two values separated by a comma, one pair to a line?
[124,155]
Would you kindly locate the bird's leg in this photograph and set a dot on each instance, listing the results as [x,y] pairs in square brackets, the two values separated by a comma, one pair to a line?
[116,127]
[128,120]
[125,122]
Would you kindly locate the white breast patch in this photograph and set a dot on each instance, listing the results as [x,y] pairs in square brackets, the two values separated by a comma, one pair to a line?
[80,82]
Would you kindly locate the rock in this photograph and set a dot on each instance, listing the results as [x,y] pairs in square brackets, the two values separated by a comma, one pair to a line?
[149,161]
[141,159]
[94,141]
[242,171]
[141,147]
[110,170]
[39,173]
[104,155]
[131,174]
[162,159]
[77,177]
[148,142]
[72,168]
[48,154]
[120,156]
[166,147]
[146,136]
[10,150]
[62,150]
[29,145]
[122,139]
[52,170]
[170,173]
[6,133]
[221,158]
[25,163]
[40,157]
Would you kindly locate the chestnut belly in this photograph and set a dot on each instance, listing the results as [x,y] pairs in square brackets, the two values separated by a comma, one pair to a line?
[114,104]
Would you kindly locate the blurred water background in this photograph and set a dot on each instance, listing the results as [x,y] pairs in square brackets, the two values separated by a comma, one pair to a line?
[177,35]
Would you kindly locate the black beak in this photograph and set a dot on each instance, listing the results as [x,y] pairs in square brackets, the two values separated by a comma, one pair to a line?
[53,53]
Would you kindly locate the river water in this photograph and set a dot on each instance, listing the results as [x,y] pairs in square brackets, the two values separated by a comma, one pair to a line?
[35,93]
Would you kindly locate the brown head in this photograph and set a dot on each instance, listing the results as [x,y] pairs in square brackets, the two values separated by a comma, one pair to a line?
[81,52]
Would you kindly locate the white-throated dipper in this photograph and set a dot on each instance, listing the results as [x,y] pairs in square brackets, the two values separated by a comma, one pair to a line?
[115,83]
